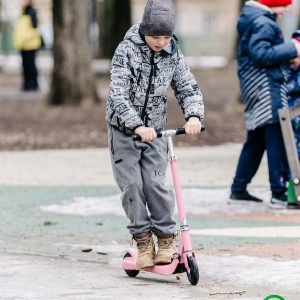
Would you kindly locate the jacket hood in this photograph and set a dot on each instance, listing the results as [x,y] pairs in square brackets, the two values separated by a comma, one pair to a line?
[133,34]
[252,10]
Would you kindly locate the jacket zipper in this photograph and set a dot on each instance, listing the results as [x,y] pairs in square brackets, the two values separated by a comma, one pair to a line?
[149,87]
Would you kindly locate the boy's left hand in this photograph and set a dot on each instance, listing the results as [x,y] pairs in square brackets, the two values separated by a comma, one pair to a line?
[295,63]
[192,126]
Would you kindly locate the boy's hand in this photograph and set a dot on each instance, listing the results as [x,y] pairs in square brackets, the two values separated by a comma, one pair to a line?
[295,63]
[297,45]
[147,134]
[192,126]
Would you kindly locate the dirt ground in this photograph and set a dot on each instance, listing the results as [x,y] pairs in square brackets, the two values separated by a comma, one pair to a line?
[27,123]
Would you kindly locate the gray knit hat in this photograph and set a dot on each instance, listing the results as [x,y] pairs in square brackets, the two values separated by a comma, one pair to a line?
[159,18]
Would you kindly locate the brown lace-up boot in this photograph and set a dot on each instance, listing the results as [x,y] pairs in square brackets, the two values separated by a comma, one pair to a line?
[146,250]
[166,249]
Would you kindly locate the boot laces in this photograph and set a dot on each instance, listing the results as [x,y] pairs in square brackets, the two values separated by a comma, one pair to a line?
[143,245]
[165,243]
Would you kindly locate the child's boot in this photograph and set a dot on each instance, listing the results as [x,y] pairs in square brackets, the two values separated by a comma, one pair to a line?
[166,249]
[146,250]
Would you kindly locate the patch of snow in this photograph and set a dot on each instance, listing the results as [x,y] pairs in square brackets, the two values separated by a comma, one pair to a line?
[196,201]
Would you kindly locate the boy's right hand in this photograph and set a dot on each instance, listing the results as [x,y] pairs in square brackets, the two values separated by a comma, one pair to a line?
[147,134]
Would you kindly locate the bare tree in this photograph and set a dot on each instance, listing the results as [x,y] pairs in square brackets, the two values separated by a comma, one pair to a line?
[114,21]
[237,40]
[72,79]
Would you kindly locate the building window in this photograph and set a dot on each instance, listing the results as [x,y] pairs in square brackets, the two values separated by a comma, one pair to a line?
[210,21]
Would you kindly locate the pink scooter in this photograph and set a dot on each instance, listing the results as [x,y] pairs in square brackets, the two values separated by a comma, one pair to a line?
[184,260]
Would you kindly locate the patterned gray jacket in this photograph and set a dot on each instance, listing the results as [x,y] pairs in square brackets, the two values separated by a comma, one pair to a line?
[140,78]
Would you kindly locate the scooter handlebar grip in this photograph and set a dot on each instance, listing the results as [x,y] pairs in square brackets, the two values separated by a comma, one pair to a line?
[158,133]
[136,137]
[182,130]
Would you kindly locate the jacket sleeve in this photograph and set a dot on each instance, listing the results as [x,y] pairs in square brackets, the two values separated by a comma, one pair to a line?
[262,48]
[187,91]
[119,100]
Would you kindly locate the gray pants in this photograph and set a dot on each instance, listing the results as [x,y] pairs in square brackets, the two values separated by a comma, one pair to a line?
[139,170]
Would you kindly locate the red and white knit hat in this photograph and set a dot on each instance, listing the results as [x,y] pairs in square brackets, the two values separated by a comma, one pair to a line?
[274,3]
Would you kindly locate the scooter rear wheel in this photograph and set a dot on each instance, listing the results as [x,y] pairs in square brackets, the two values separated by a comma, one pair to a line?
[130,273]
[193,276]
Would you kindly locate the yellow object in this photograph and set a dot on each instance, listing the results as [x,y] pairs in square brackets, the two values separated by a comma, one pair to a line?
[25,36]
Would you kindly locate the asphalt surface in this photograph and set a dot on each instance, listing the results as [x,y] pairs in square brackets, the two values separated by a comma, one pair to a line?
[63,232]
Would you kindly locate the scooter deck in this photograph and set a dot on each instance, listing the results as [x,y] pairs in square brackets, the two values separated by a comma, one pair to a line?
[129,263]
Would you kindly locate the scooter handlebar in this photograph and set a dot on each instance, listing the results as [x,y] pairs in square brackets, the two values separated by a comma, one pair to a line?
[161,133]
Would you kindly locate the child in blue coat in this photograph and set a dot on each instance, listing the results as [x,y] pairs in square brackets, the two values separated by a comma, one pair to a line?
[294,92]
[263,71]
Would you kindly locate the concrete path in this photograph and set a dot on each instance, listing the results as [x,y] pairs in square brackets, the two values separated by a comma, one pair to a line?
[63,232]
[198,166]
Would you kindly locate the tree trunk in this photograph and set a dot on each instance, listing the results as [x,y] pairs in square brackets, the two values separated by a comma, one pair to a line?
[115,20]
[72,79]
[237,40]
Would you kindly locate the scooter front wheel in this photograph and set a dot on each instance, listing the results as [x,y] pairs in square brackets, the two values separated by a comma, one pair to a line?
[130,273]
[193,276]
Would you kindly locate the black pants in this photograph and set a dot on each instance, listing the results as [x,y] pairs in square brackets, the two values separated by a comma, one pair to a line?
[267,138]
[30,73]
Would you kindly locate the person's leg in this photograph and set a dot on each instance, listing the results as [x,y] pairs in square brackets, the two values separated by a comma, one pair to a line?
[277,162]
[125,159]
[25,69]
[160,200]
[249,161]
[32,70]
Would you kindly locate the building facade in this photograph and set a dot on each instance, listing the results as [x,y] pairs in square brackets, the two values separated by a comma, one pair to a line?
[204,27]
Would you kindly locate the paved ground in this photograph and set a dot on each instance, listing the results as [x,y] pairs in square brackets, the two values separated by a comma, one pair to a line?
[198,167]
[56,205]
[63,232]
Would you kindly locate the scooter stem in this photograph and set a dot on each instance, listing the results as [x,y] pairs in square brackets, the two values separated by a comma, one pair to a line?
[177,186]
[185,244]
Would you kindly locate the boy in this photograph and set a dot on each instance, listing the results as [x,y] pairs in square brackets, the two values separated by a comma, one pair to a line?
[263,70]
[145,63]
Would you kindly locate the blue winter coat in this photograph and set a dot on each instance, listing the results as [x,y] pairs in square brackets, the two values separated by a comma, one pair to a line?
[263,65]
[294,99]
